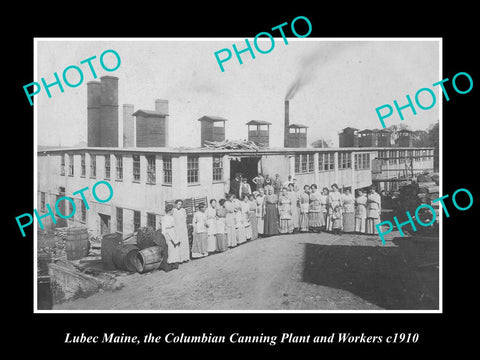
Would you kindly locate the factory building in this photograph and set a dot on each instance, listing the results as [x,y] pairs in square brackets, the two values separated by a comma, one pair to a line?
[145,173]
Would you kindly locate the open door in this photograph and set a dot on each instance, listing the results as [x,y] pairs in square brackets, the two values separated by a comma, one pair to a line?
[104,224]
[247,166]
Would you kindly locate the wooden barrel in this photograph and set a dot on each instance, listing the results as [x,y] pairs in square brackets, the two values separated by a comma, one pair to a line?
[145,237]
[109,243]
[125,257]
[149,259]
[44,293]
[77,244]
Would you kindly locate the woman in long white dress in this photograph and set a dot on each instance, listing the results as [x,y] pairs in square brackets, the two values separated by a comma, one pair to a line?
[304,207]
[211,213]
[360,212]
[293,196]
[180,218]
[239,225]
[315,216]
[348,211]
[260,199]
[230,221]
[285,213]
[173,244]
[374,208]
[245,218]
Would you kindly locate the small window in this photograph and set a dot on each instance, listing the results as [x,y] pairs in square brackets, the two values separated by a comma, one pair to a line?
[119,218]
[192,169]
[42,201]
[107,166]
[304,162]
[119,167]
[93,166]
[344,160]
[82,165]
[151,170]
[362,161]
[83,212]
[310,162]
[167,169]
[136,168]
[297,164]
[392,157]
[321,159]
[151,220]
[136,221]
[217,168]
[62,164]
[70,165]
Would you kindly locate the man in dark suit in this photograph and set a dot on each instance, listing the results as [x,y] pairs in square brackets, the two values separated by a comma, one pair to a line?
[235,185]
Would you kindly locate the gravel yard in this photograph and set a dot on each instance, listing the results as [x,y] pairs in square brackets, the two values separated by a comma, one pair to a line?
[288,272]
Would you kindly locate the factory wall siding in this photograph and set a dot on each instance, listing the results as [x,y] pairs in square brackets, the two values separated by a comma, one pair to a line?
[276,164]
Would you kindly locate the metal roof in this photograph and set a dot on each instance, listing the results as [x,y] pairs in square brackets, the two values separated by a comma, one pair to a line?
[149,113]
[212,118]
[298,126]
[258,122]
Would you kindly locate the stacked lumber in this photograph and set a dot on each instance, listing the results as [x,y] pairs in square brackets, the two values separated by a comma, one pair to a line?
[233,145]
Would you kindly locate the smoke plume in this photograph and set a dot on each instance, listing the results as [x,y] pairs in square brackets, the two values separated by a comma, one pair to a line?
[310,64]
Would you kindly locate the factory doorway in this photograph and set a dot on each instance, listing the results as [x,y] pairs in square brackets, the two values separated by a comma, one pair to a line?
[104,224]
[247,166]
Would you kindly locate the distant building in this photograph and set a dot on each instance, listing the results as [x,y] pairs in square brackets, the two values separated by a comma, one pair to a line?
[348,137]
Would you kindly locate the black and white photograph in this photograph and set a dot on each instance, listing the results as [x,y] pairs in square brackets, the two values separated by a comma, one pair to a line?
[277,174]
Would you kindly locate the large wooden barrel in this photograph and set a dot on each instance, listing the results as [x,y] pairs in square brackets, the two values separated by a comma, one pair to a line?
[149,259]
[125,257]
[44,293]
[145,237]
[109,243]
[77,244]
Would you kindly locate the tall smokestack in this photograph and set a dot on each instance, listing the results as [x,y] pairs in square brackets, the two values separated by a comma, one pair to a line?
[93,113]
[128,126]
[109,111]
[287,123]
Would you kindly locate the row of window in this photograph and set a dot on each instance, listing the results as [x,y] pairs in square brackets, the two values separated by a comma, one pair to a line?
[362,161]
[83,209]
[151,220]
[326,161]
[192,168]
[405,155]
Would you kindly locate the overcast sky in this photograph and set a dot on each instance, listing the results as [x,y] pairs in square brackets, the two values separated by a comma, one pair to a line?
[340,84]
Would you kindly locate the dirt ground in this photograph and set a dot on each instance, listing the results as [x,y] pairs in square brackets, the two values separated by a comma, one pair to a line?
[288,272]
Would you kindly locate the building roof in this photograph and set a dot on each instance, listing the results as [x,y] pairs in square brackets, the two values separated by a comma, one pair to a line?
[149,113]
[385,130]
[368,131]
[186,151]
[298,126]
[349,129]
[405,130]
[258,122]
[212,118]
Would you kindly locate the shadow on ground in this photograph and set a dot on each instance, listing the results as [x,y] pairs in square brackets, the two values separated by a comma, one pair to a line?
[404,277]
